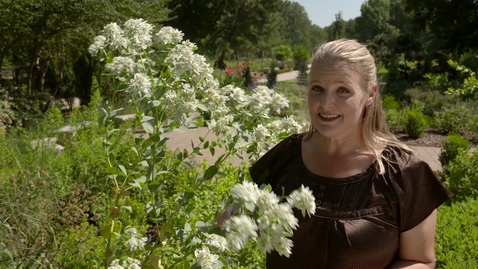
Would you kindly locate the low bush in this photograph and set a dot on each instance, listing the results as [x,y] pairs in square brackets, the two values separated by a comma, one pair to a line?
[435,100]
[415,123]
[454,119]
[457,234]
[462,173]
[451,146]
[395,120]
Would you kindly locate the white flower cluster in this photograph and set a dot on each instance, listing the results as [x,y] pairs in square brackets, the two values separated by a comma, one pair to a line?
[206,260]
[274,220]
[180,82]
[129,263]
[216,241]
[135,242]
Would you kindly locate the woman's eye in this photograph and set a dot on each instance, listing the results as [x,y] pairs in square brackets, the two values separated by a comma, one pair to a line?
[316,88]
[343,90]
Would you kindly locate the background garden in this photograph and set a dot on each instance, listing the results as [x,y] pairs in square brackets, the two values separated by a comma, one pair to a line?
[107,193]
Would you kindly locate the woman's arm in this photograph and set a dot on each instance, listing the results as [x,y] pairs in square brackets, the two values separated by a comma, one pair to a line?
[417,246]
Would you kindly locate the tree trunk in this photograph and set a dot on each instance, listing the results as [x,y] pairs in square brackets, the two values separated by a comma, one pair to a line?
[220,63]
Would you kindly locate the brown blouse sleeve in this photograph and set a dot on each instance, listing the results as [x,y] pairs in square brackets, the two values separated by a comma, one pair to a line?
[418,191]
[265,170]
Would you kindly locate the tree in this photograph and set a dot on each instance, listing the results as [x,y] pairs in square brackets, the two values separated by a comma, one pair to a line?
[297,26]
[454,22]
[220,26]
[337,29]
[51,37]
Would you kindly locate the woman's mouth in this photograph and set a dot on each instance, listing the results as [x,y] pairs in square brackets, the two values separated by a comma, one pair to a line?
[328,117]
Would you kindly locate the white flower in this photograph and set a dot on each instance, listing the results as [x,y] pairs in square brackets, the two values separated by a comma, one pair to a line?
[265,199]
[279,102]
[282,214]
[216,241]
[261,132]
[119,65]
[302,199]
[239,230]
[115,264]
[130,263]
[99,43]
[139,33]
[206,260]
[169,35]
[115,38]
[245,192]
[140,85]
[135,243]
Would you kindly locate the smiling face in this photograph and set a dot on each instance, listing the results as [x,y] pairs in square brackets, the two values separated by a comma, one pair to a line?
[336,100]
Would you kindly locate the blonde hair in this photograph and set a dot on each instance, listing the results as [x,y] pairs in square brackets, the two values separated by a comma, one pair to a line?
[375,131]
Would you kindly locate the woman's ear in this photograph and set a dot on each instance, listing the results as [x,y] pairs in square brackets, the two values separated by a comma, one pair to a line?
[371,95]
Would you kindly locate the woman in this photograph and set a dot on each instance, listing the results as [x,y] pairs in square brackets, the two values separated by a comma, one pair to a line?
[376,200]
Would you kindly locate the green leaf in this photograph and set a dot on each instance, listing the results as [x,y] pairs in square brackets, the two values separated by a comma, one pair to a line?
[148,127]
[107,229]
[111,171]
[155,261]
[202,107]
[206,145]
[187,227]
[201,139]
[155,138]
[212,150]
[127,207]
[147,118]
[179,156]
[185,153]
[210,172]
[154,186]
[123,169]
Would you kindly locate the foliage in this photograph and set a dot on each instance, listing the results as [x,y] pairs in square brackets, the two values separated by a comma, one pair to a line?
[451,146]
[396,89]
[436,15]
[469,87]
[389,102]
[457,234]
[415,123]
[453,119]
[435,101]
[283,52]
[223,26]
[272,76]
[301,56]
[462,175]
[393,115]
[169,84]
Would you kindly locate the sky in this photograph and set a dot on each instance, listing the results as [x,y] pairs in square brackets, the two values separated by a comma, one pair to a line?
[322,12]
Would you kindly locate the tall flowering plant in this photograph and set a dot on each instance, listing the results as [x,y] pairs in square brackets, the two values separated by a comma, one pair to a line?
[161,74]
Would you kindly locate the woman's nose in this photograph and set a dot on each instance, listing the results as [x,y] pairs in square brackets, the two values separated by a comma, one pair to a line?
[327,100]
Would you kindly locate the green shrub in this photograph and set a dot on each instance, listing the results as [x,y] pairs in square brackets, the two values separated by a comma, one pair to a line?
[395,120]
[454,119]
[415,123]
[390,102]
[457,234]
[435,100]
[462,173]
[451,146]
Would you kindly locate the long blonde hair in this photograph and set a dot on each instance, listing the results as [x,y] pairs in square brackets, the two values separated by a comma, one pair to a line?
[375,131]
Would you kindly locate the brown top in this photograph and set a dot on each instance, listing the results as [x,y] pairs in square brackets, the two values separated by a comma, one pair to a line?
[358,219]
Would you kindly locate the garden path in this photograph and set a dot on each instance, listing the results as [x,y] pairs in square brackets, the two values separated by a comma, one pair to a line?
[182,140]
